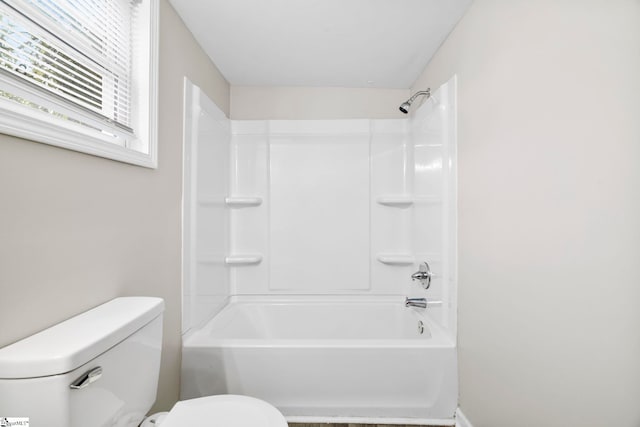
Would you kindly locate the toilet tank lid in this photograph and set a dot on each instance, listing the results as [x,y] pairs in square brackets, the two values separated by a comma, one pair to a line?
[74,342]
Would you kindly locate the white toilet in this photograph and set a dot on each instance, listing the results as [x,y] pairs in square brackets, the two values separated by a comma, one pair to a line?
[101,368]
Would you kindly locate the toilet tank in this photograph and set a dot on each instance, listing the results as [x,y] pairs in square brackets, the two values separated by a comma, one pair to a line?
[97,369]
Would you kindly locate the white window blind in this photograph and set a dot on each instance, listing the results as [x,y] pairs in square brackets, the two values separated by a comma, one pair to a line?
[82,63]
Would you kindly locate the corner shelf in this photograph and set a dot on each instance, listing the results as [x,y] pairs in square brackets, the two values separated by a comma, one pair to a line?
[243,259]
[396,258]
[243,202]
[395,201]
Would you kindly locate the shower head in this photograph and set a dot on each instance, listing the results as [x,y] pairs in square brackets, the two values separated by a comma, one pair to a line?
[404,107]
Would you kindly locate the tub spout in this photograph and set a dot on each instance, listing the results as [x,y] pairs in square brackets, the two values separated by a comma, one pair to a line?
[415,302]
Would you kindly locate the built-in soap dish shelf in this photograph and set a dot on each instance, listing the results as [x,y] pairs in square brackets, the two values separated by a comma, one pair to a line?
[243,202]
[243,259]
[396,259]
[395,201]
[404,201]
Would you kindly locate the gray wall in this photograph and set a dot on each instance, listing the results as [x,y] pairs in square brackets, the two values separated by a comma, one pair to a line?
[77,230]
[549,210]
[315,103]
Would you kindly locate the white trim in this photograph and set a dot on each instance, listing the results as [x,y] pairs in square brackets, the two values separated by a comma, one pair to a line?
[462,420]
[154,69]
[28,126]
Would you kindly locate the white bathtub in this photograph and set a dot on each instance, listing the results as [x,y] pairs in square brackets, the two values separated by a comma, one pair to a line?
[322,359]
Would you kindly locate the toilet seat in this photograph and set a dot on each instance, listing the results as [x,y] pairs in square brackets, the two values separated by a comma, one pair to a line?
[224,410]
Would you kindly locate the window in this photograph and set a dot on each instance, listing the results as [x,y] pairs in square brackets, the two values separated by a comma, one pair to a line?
[81,74]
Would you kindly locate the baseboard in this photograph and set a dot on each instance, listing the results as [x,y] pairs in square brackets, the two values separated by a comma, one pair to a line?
[461,420]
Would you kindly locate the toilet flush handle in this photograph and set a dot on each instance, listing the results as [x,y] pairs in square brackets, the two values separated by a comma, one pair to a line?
[87,378]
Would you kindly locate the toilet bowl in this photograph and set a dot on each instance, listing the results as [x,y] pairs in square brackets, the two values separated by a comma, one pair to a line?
[101,368]
[224,410]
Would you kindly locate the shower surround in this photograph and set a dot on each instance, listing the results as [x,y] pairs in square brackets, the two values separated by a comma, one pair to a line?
[300,238]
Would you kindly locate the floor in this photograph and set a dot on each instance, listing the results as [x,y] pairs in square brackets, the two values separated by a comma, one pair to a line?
[352,425]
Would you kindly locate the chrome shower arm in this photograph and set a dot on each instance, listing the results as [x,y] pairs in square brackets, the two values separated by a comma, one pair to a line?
[421,92]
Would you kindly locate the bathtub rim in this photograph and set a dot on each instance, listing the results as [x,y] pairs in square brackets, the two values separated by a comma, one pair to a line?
[440,337]
[445,344]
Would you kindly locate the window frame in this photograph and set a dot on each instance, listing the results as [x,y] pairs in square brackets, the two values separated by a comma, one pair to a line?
[142,150]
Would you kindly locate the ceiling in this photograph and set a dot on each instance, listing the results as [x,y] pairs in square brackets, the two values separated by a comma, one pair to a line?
[338,43]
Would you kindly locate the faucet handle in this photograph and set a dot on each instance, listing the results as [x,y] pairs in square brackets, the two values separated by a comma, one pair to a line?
[423,275]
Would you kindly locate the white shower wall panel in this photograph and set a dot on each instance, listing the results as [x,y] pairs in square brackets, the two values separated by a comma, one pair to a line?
[433,131]
[207,135]
[319,207]
[347,206]
[250,224]
[319,210]
[390,157]
[391,179]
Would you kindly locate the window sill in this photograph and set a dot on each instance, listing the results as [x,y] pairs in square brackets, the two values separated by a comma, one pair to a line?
[36,126]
